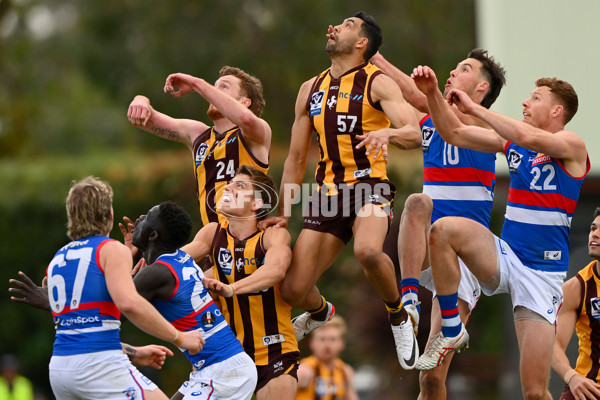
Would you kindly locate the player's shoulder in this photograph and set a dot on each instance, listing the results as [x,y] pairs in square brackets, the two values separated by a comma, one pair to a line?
[276,235]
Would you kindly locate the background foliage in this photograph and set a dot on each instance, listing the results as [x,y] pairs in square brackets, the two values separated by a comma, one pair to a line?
[69,69]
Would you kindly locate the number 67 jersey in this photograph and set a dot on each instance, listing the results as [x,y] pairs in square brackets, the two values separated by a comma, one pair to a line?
[85,316]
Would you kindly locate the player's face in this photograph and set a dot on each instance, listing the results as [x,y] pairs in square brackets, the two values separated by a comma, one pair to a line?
[341,38]
[594,239]
[229,84]
[537,109]
[144,226]
[327,343]
[466,76]
[238,197]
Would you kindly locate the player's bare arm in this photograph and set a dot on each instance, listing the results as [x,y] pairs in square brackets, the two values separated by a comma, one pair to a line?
[278,256]
[151,355]
[409,90]
[144,116]
[446,121]
[567,317]
[155,281]
[115,259]
[200,246]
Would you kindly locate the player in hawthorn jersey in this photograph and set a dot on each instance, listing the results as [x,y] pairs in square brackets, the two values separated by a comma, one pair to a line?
[344,104]
[248,266]
[238,137]
[456,182]
[580,312]
[547,167]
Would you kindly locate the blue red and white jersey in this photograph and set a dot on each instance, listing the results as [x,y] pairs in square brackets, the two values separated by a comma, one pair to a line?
[541,201]
[85,316]
[459,181]
[190,307]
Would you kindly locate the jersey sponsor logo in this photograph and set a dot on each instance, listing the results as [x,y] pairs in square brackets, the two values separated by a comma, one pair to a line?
[183,259]
[225,260]
[361,173]
[273,339]
[201,154]
[334,87]
[316,102]
[426,136]
[331,102]
[75,243]
[595,307]
[350,96]
[541,158]
[514,160]
[552,255]
[79,321]
[312,221]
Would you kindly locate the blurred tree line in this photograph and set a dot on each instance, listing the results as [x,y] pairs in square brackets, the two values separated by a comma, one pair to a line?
[69,69]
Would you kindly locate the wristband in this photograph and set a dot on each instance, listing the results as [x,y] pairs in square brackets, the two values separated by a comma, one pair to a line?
[568,380]
[232,290]
[176,336]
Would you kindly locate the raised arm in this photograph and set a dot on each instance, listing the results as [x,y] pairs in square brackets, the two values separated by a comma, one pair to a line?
[278,257]
[116,260]
[410,91]
[447,124]
[200,246]
[142,115]
[255,129]
[580,386]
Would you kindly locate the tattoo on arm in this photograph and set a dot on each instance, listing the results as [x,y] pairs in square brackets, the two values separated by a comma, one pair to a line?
[166,133]
[130,352]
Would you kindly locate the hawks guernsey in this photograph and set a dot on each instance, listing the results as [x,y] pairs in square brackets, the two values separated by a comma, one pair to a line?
[260,320]
[327,383]
[217,156]
[340,109]
[85,316]
[588,323]
[541,201]
[459,181]
[190,307]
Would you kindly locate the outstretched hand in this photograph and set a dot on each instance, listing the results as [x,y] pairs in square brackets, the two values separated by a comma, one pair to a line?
[151,355]
[425,79]
[461,100]
[281,222]
[218,287]
[377,143]
[29,292]
[127,231]
[183,82]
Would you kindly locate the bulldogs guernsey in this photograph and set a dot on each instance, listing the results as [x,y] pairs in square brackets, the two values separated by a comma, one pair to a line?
[541,201]
[459,181]
[85,316]
[191,307]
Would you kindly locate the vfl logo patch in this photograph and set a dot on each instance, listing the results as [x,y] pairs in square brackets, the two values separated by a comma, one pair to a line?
[225,260]
[331,102]
[514,160]
[595,307]
[426,135]
[201,154]
[273,339]
[553,255]
[316,102]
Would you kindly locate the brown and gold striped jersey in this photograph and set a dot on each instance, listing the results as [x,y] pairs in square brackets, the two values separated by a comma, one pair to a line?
[588,323]
[327,384]
[339,110]
[261,320]
[217,156]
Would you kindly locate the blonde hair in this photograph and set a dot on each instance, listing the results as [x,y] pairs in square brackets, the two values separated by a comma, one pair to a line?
[89,208]
[337,322]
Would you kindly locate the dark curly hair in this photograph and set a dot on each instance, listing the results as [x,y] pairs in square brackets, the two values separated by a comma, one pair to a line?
[176,223]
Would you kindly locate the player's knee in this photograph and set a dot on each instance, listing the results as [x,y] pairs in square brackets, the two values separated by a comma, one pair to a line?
[441,231]
[417,204]
[292,293]
[368,256]
[431,383]
[537,392]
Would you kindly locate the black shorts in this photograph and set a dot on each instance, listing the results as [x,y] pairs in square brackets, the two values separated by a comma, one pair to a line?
[335,213]
[286,364]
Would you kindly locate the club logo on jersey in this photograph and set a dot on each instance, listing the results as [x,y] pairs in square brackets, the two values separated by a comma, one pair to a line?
[129,393]
[595,307]
[552,255]
[273,339]
[426,135]
[201,154]
[331,102]
[361,173]
[239,264]
[316,102]
[514,160]
[540,158]
[225,260]
[208,320]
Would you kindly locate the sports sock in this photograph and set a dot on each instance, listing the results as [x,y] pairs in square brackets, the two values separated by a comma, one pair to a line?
[397,313]
[410,292]
[319,313]
[451,324]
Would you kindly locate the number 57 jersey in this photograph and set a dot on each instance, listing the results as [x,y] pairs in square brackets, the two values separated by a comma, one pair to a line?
[85,317]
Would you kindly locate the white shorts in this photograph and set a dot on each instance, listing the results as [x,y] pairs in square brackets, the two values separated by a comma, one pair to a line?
[469,289]
[538,291]
[101,375]
[232,379]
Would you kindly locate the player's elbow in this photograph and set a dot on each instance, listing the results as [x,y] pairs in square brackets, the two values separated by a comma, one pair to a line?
[127,306]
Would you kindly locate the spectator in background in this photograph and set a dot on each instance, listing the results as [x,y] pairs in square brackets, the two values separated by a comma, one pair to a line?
[12,385]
